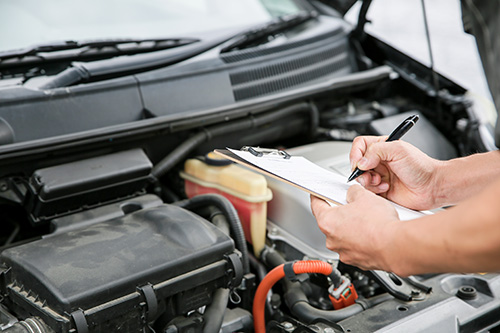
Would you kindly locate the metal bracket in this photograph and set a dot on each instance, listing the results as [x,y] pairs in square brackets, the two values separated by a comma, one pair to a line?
[406,289]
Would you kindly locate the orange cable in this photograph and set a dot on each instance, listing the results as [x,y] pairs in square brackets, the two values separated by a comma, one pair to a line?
[276,274]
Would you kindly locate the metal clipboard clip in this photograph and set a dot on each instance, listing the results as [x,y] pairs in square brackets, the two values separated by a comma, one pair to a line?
[259,152]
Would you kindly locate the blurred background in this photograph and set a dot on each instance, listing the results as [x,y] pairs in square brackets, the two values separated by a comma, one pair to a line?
[401,24]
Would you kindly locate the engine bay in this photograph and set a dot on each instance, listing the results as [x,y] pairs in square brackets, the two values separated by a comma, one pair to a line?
[115,216]
[137,263]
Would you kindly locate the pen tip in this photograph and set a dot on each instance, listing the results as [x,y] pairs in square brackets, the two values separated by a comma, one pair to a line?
[351,177]
[355,174]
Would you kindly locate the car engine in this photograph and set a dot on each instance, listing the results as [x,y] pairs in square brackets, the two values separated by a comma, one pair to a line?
[116,216]
[131,262]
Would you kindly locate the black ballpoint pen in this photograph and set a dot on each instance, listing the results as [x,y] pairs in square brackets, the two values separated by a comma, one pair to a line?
[395,135]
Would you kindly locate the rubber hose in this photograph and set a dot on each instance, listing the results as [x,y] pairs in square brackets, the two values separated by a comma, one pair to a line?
[297,301]
[220,222]
[314,120]
[29,325]
[375,300]
[178,154]
[307,313]
[183,150]
[66,78]
[273,258]
[214,315]
[261,274]
[299,267]
[231,215]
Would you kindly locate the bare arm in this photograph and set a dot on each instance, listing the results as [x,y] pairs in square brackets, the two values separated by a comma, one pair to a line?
[465,238]
[461,178]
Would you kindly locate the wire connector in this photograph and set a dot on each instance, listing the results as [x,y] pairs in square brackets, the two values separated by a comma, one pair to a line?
[344,295]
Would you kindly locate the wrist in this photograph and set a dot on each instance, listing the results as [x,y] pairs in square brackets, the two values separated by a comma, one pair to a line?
[397,258]
[440,189]
[387,238]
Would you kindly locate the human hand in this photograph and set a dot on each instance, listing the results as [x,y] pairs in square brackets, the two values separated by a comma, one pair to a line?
[398,171]
[360,232]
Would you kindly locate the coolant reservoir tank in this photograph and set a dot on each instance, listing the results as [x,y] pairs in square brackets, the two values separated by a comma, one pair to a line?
[247,191]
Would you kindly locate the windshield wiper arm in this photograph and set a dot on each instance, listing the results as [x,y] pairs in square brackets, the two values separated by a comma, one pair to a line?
[129,46]
[280,24]
[119,66]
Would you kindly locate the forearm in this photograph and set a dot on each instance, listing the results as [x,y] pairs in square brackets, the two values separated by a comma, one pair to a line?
[465,238]
[462,178]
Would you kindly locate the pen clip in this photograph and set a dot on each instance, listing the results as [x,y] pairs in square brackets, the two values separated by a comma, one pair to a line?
[403,128]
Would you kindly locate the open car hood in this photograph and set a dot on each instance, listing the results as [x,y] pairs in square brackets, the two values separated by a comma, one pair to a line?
[342,6]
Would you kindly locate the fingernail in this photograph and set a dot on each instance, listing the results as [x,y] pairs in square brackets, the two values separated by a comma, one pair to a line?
[363,163]
[384,187]
[361,181]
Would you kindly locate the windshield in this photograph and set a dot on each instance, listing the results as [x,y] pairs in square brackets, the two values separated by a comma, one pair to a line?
[29,22]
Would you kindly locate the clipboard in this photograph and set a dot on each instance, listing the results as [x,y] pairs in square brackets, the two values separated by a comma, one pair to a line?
[301,173]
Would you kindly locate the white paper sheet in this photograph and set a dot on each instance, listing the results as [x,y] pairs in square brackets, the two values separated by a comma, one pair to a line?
[305,174]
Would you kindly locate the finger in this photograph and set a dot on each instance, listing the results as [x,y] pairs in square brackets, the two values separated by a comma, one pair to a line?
[364,179]
[359,146]
[356,192]
[378,189]
[369,179]
[318,205]
[381,151]
[376,179]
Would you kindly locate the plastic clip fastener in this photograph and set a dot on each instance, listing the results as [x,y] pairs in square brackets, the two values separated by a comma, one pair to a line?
[344,295]
[151,301]
[259,152]
[80,321]
[290,274]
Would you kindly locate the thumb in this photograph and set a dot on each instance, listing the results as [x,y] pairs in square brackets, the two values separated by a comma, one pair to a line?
[357,192]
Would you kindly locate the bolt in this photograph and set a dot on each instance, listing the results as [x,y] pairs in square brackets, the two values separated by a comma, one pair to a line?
[274,231]
[171,329]
[467,292]
[287,326]
[315,328]
[328,330]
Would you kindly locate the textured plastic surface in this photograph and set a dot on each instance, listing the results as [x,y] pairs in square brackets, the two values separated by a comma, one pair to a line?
[176,91]
[34,114]
[326,55]
[71,178]
[68,187]
[105,261]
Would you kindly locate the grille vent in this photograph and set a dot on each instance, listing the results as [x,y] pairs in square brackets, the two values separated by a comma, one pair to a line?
[289,65]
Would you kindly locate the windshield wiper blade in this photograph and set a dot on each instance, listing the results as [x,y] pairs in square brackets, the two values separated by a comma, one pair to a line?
[119,66]
[278,25]
[130,45]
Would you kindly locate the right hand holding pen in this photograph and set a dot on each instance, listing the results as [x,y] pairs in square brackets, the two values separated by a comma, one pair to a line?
[398,171]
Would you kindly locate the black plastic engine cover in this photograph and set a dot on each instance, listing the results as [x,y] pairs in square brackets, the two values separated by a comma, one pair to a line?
[88,267]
